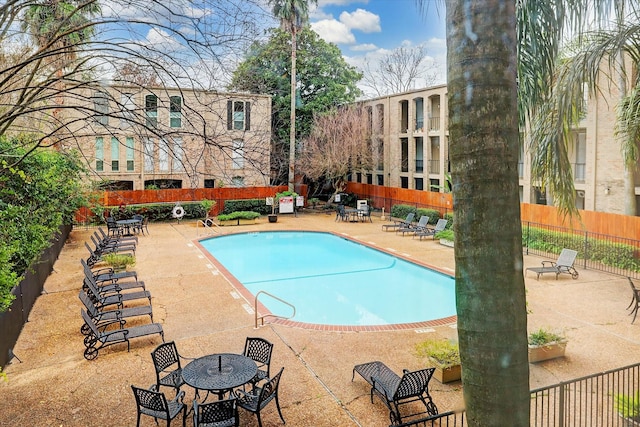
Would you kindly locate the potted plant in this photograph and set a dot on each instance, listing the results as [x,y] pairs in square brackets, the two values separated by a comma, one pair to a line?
[444,355]
[238,218]
[545,344]
[207,205]
[446,237]
[119,262]
[628,407]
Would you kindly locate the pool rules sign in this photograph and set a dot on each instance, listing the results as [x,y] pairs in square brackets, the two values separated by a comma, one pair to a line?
[286,204]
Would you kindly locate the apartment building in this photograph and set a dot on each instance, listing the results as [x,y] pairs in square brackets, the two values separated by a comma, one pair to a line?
[411,131]
[136,138]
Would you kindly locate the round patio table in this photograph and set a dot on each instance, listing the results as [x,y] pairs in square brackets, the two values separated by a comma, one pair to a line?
[219,372]
[128,223]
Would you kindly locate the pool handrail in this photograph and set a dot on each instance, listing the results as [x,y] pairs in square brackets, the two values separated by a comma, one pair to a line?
[255,309]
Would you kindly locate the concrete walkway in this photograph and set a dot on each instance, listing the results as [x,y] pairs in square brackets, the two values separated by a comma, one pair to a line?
[203,312]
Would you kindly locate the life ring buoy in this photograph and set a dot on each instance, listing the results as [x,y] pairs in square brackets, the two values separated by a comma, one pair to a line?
[177,212]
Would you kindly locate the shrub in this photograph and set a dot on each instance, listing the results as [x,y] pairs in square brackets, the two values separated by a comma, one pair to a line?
[446,234]
[238,215]
[445,353]
[449,217]
[401,211]
[255,205]
[543,336]
[433,214]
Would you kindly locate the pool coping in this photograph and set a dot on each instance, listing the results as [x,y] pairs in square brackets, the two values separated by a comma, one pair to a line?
[248,296]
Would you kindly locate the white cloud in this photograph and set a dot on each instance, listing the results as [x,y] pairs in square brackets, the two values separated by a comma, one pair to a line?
[333,31]
[340,2]
[362,20]
[162,41]
[365,47]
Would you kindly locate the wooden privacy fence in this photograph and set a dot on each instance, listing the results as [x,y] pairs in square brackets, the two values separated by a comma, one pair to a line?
[219,195]
[624,226]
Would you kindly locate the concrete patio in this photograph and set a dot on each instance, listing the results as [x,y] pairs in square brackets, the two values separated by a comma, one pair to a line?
[53,385]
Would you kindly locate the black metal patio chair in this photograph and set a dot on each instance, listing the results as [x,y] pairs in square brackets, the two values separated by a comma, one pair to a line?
[168,366]
[256,400]
[259,350]
[154,404]
[219,413]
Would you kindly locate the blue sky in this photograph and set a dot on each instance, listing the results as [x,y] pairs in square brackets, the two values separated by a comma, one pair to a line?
[367,29]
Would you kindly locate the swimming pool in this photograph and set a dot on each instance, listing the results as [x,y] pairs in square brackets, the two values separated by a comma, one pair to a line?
[332,280]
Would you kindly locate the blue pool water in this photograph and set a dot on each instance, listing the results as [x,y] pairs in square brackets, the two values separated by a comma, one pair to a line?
[332,280]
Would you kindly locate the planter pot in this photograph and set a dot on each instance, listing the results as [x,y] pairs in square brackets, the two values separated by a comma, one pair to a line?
[447,375]
[272,218]
[446,242]
[238,222]
[547,351]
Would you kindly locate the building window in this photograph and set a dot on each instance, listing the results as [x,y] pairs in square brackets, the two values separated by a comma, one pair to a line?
[129,145]
[151,110]
[581,155]
[101,107]
[404,150]
[369,178]
[419,184]
[358,176]
[148,155]
[128,110]
[380,114]
[237,156]
[237,181]
[99,154]
[434,185]
[177,154]
[380,179]
[238,115]
[419,117]
[163,156]
[404,182]
[115,154]
[175,111]
[209,183]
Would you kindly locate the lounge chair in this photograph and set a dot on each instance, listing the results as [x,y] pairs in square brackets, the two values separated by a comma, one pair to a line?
[440,226]
[117,238]
[419,227]
[111,246]
[111,286]
[100,336]
[101,301]
[95,256]
[564,264]
[101,317]
[107,274]
[400,223]
[394,390]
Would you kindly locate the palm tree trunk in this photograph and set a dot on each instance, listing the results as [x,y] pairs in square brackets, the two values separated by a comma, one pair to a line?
[490,293]
[292,130]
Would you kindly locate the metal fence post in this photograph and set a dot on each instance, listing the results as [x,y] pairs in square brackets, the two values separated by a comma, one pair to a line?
[561,406]
[586,249]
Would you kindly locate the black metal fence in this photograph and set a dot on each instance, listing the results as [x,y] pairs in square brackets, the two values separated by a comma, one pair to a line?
[446,419]
[26,293]
[605,399]
[611,254]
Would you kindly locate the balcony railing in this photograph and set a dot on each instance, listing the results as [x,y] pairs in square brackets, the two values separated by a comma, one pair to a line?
[579,171]
[419,166]
[434,123]
[434,166]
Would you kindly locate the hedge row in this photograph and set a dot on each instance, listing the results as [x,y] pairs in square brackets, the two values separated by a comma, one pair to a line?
[401,211]
[617,255]
[256,205]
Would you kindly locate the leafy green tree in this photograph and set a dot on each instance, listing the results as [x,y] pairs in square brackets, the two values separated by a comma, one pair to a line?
[293,15]
[36,198]
[554,80]
[325,80]
[484,147]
